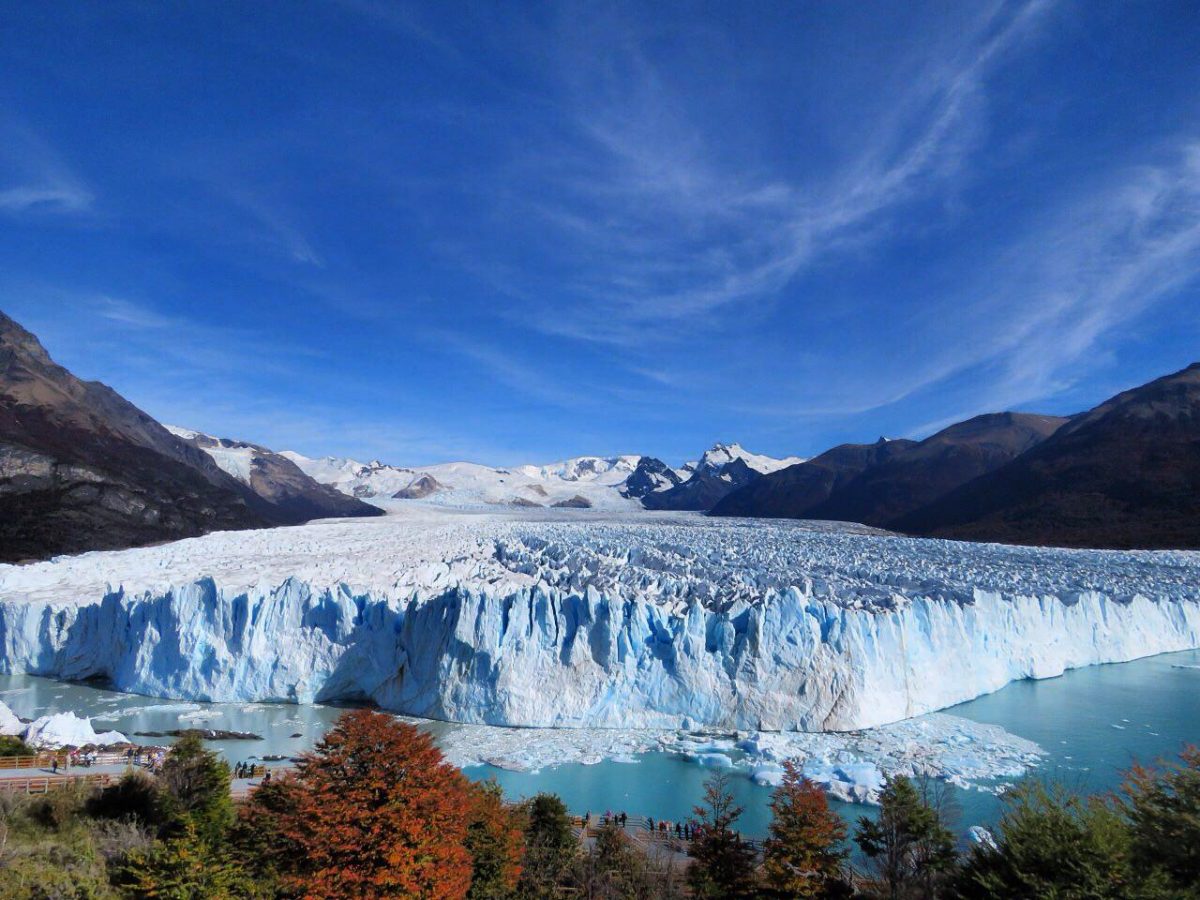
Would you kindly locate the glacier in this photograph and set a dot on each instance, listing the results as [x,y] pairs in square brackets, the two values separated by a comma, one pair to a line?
[592,620]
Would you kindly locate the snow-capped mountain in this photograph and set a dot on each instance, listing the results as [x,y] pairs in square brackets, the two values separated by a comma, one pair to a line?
[722,454]
[579,483]
[603,482]
[274,478]
[721,470]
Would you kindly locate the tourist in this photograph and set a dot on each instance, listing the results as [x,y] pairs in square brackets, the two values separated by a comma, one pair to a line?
[54,766]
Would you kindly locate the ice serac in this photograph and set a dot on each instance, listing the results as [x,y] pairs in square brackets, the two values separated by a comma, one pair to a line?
[674,623]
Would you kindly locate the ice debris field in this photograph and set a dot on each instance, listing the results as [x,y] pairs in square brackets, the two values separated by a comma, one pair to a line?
[592,620]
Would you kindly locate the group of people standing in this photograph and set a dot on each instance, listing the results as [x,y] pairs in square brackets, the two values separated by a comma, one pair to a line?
[251,770]
[684,831]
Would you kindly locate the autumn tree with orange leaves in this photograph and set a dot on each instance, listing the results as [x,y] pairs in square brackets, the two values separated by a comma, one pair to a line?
[374,811]
[805,853]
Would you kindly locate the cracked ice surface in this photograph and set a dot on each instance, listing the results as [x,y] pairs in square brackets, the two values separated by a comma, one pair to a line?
[850,766]
[592,620]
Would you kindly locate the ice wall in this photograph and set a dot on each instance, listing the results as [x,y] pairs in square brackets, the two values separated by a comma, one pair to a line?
[562,652]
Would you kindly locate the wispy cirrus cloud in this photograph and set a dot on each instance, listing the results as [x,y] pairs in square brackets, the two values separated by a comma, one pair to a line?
[654,229]
[34,179]
[1037,317]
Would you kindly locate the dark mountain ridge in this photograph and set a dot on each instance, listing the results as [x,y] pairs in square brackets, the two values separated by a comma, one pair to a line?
[81,468]
[1125,474]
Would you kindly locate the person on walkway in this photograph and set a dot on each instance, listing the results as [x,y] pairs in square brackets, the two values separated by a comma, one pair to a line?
[624,818]
[54,766]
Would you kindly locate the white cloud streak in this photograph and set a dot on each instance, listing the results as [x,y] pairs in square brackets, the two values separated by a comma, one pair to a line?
[34,179]
[664,236]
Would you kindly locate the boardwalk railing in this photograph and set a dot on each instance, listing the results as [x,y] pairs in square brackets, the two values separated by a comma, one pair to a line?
[32,762]
[44,784]
[66,760]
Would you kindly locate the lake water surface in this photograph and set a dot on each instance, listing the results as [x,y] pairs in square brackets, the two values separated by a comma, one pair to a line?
[1092,723]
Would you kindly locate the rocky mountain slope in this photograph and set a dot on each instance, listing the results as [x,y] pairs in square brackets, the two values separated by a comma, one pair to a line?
[1125,474]
[790,493]
[276,479]
[878,483]
[81,468]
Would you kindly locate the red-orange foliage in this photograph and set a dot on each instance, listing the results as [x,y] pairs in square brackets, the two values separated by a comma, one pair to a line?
[805,852]
[376,811]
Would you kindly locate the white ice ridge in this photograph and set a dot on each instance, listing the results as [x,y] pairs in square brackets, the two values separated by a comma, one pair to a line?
[851,766]
[63,729]
[646,622]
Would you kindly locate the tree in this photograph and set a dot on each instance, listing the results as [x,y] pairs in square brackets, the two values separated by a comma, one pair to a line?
[1162,807]
[804,855]
[375,811]
[724,863]
[257,839]
[550,846]
[908,844]
[195,785]
[1051,844]
[496,843]
[185,867]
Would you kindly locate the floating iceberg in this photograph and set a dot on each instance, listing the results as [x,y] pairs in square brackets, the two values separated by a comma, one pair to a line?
[10,725]
[63,729]
[849,766]
[649,622]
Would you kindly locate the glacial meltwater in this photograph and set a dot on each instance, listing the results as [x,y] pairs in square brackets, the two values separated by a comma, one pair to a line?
[1092,724]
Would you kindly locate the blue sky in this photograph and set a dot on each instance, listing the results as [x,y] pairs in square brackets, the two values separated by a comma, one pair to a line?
[512,232]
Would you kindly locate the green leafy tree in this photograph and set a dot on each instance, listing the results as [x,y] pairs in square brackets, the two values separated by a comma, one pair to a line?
[195,784]
[1051,844]
[724,864]
[805,853]
[496,841]
[14,746]
[550,846]
[1162,807]
[909,846]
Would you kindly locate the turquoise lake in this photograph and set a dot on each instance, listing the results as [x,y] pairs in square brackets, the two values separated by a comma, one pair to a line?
[1092,723]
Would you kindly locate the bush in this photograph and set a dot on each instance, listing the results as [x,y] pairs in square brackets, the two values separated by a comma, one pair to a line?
[14,746]
[136,796]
